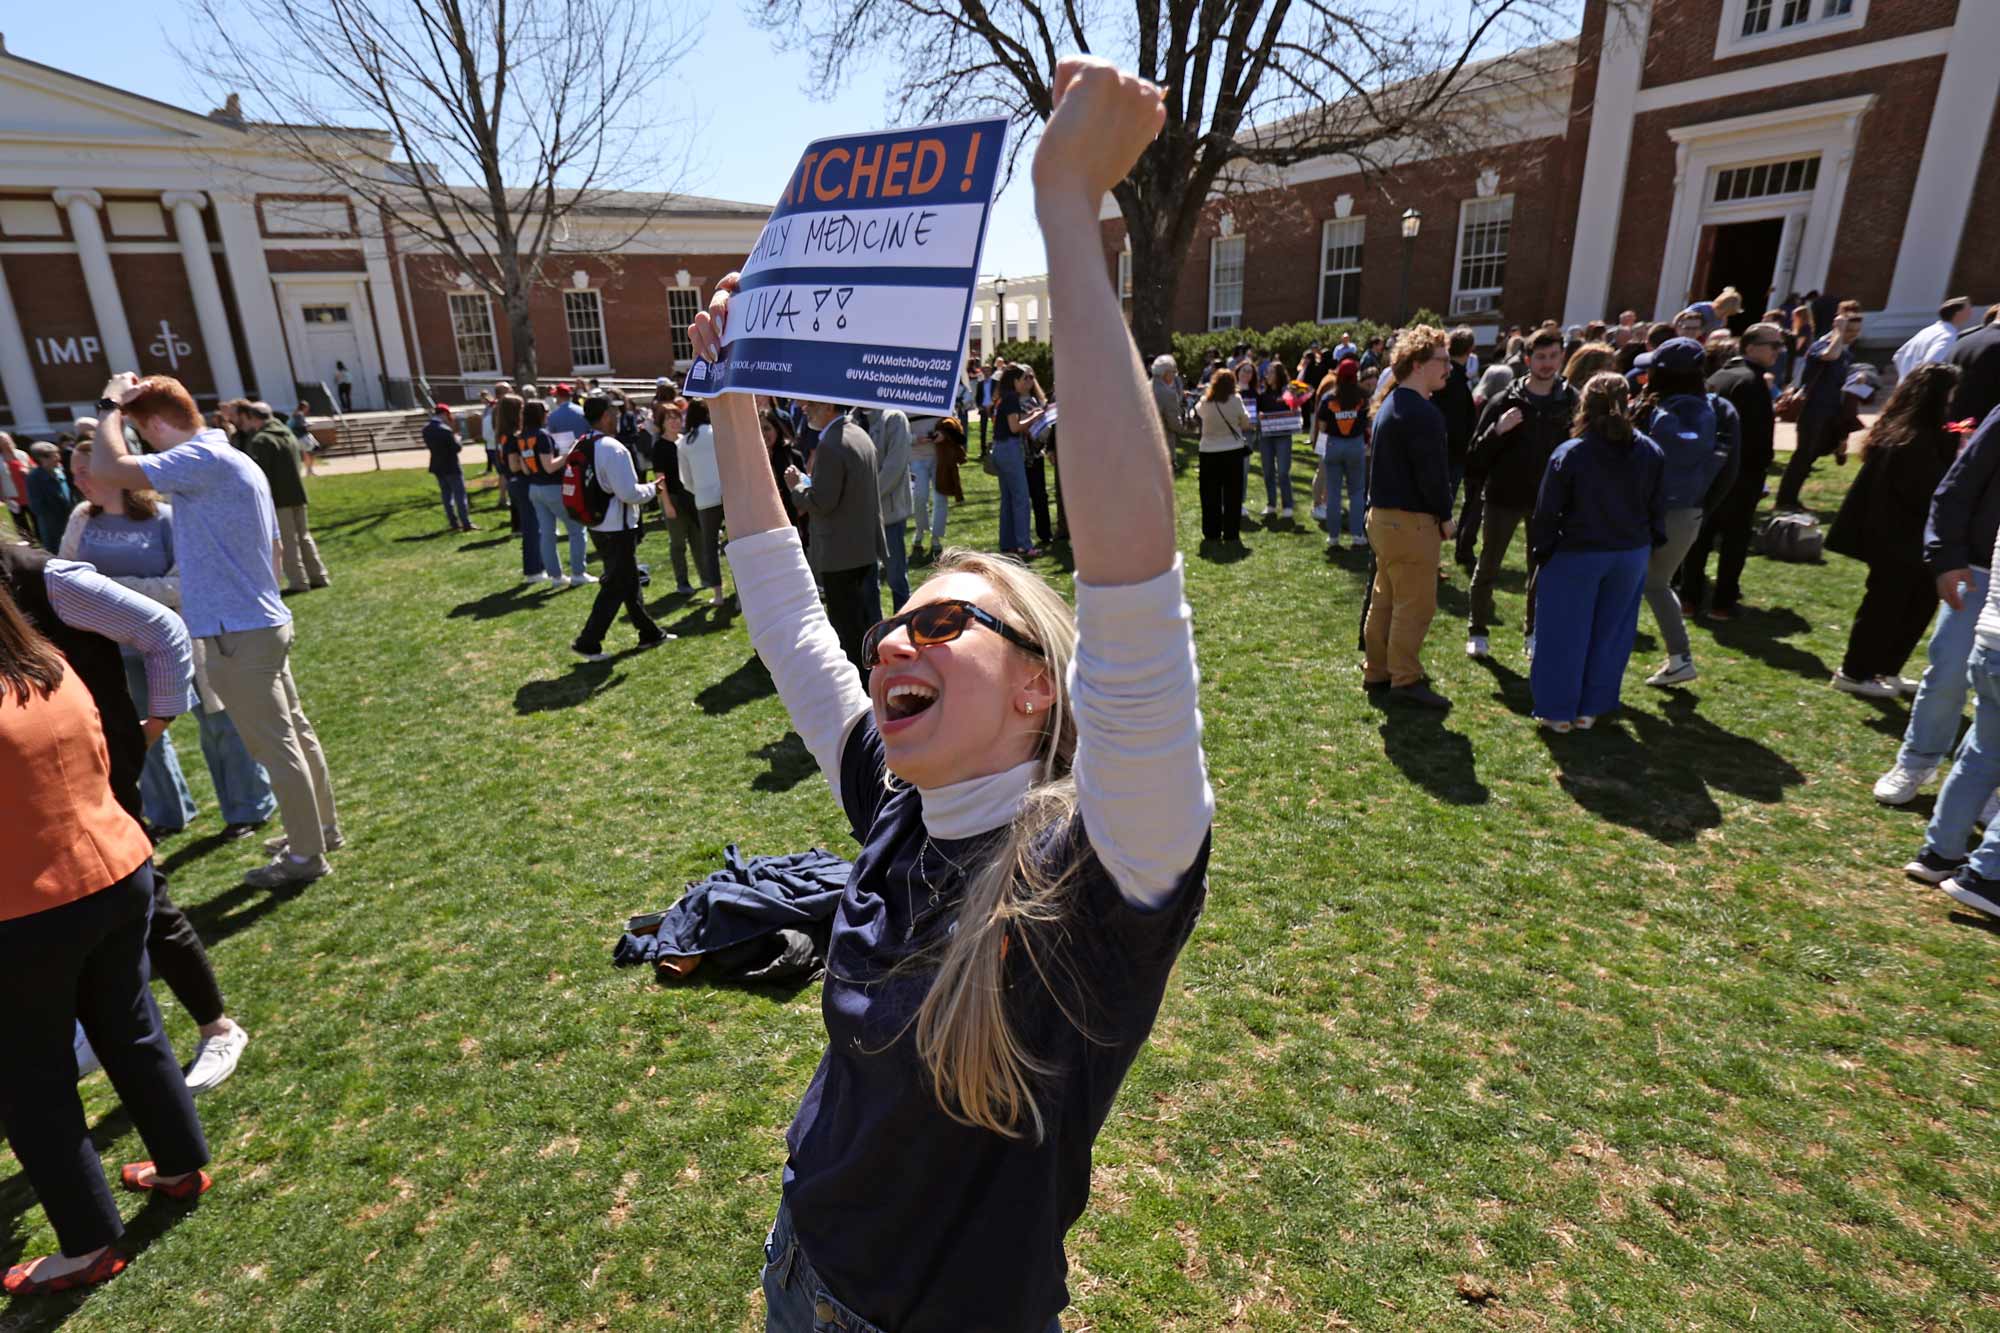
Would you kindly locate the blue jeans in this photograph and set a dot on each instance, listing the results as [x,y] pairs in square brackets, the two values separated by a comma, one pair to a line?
[1347,464]
[796,1301]
[163,792]
[1010,460]
[547,503]
[1940,700]
[531,528]
[242,787]
[457,508]
[1275,451]
[1586,612]
[1974,775]
[923,488]
[897,566]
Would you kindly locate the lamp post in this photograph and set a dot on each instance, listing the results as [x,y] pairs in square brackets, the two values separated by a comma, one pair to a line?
[1413,222]
[1000,309]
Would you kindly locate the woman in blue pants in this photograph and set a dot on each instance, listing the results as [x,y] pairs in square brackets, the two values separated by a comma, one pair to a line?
[1600,514]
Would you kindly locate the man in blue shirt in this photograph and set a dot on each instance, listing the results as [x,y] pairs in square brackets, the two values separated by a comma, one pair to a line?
[441,438]
[226,541]
[1409,518]
[567,423]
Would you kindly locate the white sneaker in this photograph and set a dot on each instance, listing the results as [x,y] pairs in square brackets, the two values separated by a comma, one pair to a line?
[330,834]
[1356,543]
[1552,725]
[579,580]
[1904,685]
[1585,723]
[1528,649]
[1900,785]
[1677,671]
[1319,513]
[1875,688]
[1286,512]
[215,1058]
[535,578]
[1475,646]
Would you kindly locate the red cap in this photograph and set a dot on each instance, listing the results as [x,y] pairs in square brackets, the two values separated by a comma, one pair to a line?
[563,389]
[440,407]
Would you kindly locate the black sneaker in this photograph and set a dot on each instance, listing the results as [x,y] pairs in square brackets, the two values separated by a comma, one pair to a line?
[235,831]
[589,654]
[1930,868]
[1976,892]
[1420,694]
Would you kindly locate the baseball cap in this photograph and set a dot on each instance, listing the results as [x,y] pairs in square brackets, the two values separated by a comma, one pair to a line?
[563,390]
[1679,354]
[440,407]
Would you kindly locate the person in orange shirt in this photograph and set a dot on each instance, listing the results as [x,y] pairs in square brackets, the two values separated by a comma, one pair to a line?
[75,894]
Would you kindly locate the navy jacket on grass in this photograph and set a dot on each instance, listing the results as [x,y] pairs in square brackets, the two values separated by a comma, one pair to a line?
[918,1223]
[1601,495]
[1410,468]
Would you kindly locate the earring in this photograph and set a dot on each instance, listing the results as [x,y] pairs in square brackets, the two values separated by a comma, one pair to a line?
[1029,709]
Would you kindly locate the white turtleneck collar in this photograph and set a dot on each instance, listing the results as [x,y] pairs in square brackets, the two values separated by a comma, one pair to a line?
[977,805]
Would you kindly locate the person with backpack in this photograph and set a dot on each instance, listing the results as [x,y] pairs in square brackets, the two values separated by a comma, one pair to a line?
[599,486]
[1028,788]
[1511,447]
[1342,424]
[1742,383]
[1698,433]
[542,460]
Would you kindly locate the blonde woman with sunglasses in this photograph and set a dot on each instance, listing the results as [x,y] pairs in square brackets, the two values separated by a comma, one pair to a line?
[1028,789]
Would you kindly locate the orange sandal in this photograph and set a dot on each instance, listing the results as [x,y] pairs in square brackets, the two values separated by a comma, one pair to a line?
[103,1268]
[133,1177]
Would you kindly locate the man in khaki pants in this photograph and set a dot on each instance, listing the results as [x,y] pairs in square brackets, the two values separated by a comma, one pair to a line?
[274,449]
[225,531]
[1409,519]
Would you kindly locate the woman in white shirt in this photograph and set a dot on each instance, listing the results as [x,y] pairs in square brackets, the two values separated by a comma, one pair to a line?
[1225,449]
[699,475]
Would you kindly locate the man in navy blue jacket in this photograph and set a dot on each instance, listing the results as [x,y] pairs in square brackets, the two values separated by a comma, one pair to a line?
[1958,547]
[1409,518]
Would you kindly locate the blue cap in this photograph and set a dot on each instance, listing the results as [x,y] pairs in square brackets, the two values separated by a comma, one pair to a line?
[1679,354]
[1643,361]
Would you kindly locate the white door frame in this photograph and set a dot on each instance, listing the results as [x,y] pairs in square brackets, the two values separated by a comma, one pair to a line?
[298,290]
[1827,128]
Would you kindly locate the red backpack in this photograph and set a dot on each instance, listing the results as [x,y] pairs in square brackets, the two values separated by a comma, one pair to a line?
[582,495]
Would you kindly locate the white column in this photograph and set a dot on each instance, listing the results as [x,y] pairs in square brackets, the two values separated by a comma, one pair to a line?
[217,345]
[17,373]
[1953,152]
[105,304]
[382,290]
[1619,67]
[256,304]
[990,329]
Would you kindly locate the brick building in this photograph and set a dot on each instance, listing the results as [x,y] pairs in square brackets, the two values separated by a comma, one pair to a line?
[1771,145]
[134,234]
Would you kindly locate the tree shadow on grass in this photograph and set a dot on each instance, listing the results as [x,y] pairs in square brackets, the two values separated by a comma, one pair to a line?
[585,681]
[790,764]
[1762,633]
[747,682]
[1438,760]
[374,518]
[434,535]
[193,851]
[488,543]
[514,597]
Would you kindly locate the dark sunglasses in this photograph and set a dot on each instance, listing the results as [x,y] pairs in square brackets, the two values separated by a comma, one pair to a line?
[941,622]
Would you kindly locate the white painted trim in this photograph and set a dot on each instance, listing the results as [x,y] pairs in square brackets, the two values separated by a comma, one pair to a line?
[1731,43]
[1319,297]
[1458,253]
[1799,70]
[1602,196]
[312,243]
[492,330]
[368,394]
[1954,150]
[382,286]
[603,334]
[1242,282]
[1830,129]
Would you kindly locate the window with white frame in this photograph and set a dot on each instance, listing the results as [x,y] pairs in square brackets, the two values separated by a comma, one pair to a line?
[1340,268]
[683,304]
[1125,279]
[1484,226]
[1225,282]
[1748,24]
[472,333]
[1765,180]
[583,314]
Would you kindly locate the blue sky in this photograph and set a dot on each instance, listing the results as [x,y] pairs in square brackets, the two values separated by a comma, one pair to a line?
[768,116]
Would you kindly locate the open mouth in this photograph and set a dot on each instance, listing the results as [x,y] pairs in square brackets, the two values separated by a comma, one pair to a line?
[906,699]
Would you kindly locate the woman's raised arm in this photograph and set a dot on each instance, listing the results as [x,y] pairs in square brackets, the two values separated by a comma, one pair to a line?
[788,627]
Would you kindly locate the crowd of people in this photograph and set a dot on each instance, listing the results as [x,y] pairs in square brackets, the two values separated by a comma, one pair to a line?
[1026,781]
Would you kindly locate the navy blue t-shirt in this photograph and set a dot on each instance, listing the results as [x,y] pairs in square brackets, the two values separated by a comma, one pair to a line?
[915,1221]
[1601,495]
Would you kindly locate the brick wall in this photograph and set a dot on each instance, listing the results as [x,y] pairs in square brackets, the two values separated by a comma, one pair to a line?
[1681,42]
[54,306]
[314,261]
[633,290]
[154,288]
[1281,261]
[1880,183]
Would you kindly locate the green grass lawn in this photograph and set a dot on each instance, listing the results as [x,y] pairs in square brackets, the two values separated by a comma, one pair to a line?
[1638,1028]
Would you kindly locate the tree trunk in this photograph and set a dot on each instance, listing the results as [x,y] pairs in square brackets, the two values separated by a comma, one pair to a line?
[1155,281]
[521,333]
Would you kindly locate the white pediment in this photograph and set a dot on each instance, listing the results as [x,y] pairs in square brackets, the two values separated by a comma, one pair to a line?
[47,106]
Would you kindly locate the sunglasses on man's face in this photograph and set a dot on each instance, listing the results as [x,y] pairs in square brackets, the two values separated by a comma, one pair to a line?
[941,622]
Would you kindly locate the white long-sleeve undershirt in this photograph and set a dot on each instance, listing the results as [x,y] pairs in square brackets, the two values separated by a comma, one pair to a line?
[1142,780]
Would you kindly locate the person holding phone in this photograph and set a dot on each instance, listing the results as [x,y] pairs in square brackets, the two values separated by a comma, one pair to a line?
[1028,788]
[1821,413]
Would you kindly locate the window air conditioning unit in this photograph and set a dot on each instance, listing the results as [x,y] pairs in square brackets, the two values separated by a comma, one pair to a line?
[1475,303]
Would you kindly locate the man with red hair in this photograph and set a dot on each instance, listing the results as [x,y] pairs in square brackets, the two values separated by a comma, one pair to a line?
[226,541]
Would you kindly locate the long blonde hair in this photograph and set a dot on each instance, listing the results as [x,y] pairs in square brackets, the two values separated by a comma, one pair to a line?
[982,1072]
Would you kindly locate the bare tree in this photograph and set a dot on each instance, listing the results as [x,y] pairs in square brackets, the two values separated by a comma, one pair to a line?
[1251,85]
[482,127]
